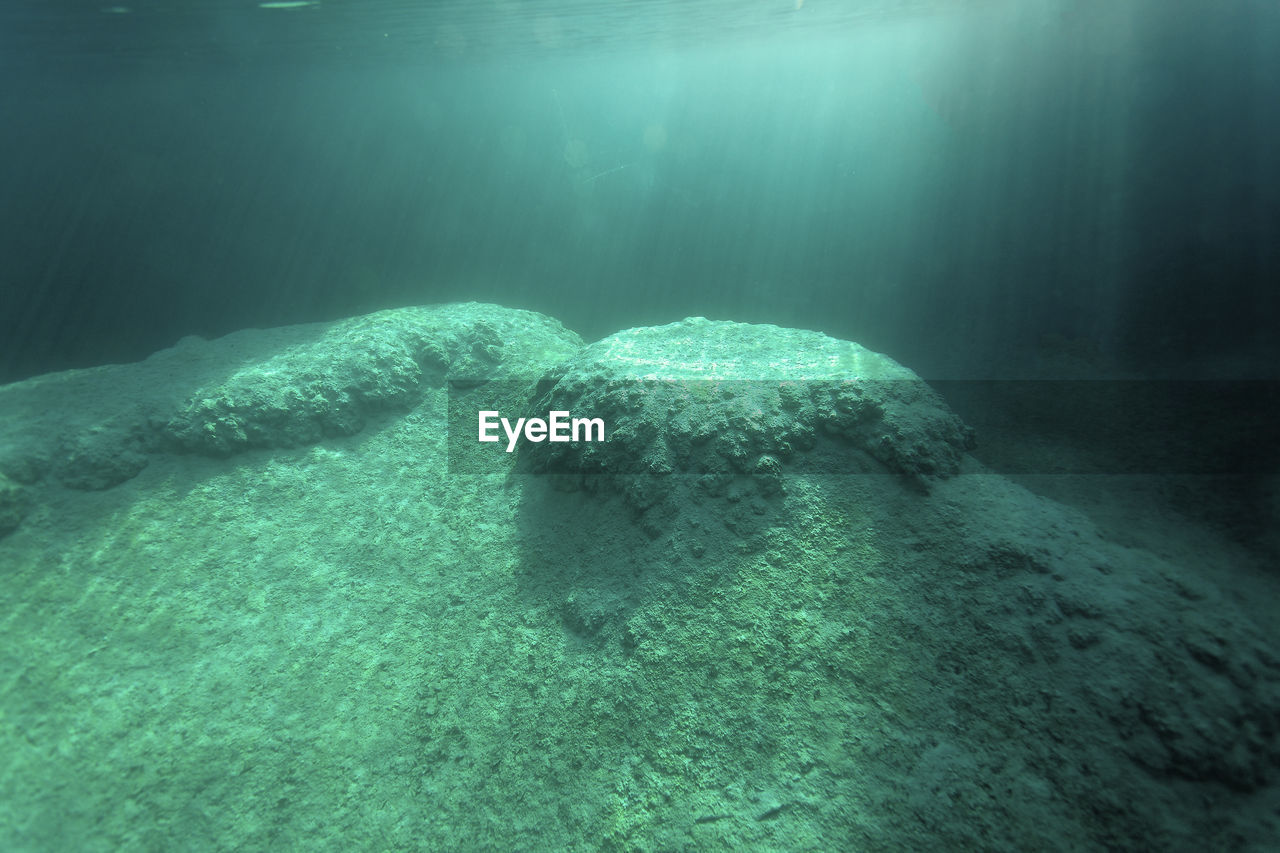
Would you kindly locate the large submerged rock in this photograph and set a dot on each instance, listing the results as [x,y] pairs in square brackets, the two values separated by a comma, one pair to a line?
[731,402]
[735,406]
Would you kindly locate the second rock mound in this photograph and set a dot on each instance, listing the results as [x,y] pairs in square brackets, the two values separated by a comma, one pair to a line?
[724,401]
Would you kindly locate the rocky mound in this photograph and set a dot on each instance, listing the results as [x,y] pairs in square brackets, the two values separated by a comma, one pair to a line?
[94,429]
[725,401]
[330,385]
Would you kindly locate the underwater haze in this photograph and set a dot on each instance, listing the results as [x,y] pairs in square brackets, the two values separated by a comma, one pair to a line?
[960,183]
[639,425]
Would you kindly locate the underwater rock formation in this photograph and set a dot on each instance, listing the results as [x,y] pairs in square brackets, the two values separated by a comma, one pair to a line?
[766,657]
[722,400]
[329,385]
[94,429]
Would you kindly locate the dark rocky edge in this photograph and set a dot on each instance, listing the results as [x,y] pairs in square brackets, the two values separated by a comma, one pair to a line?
[724,401]
[13,505]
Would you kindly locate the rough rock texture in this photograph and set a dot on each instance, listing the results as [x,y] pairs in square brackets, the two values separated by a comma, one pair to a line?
[96,428]
[721,400]
[329,385]
[1188,685]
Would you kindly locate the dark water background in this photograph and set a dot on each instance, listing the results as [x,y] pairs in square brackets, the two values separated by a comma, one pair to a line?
[965,186]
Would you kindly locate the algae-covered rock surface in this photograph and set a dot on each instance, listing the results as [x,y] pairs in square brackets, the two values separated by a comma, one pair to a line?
[729,401]
[287,387]
[249,602]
